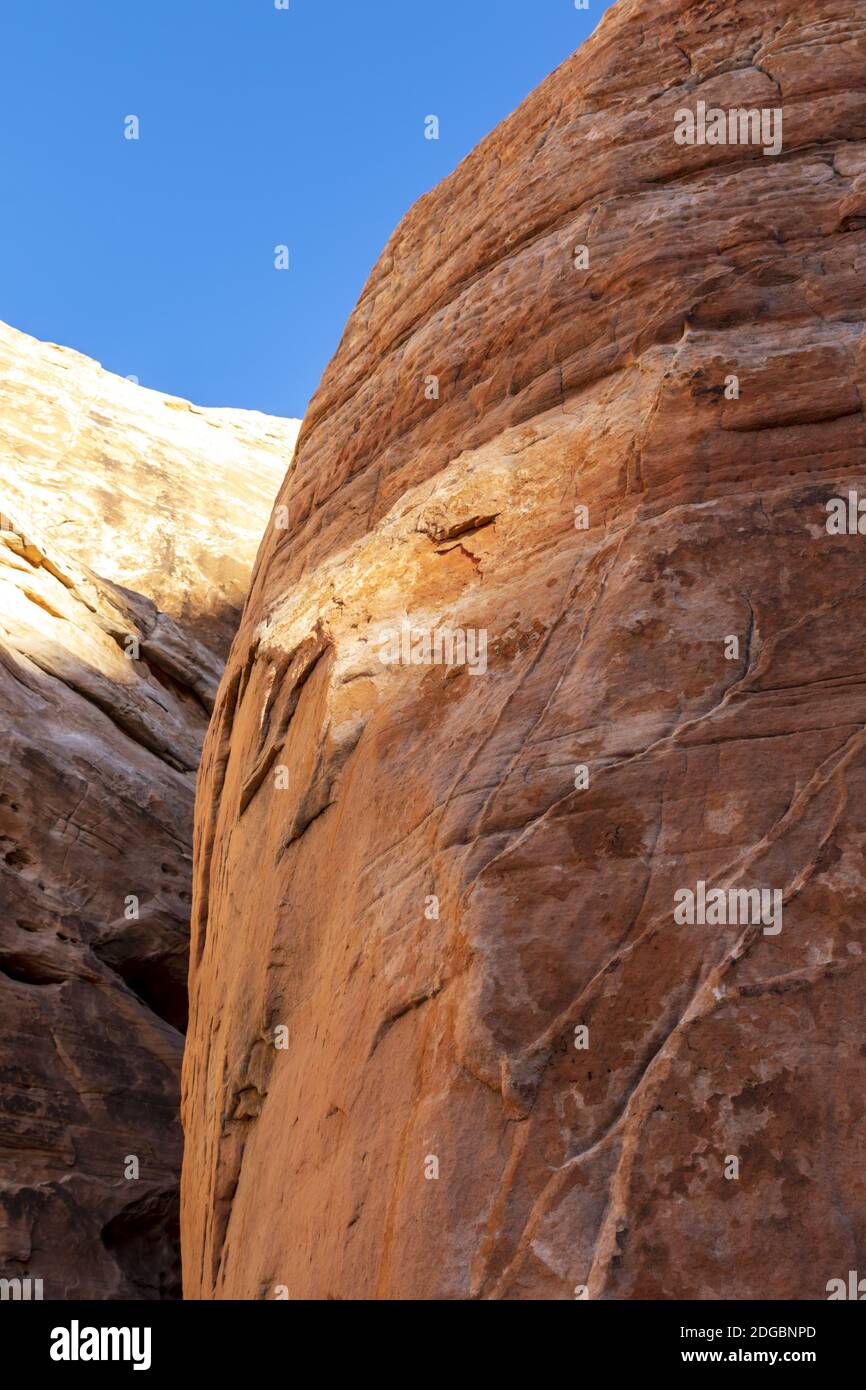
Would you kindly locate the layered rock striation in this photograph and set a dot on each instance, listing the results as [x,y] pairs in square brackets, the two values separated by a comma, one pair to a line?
[528,938]
[127,529]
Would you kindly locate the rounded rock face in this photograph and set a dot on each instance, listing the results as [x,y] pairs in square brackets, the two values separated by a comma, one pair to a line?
[528,895]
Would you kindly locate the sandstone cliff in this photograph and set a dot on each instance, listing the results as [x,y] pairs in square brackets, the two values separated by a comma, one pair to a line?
[129,523]
[448,1038]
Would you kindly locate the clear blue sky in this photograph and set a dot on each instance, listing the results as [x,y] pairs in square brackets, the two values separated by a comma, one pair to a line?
[259,127]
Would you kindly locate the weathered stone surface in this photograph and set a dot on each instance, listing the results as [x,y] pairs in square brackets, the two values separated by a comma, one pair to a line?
[412,1036]
[172,501]
[98,754]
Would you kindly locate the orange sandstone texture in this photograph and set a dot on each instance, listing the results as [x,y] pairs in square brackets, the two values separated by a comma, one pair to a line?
[400,875]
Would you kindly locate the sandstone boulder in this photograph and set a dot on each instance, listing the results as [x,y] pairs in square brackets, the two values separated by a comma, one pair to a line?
[448,1039]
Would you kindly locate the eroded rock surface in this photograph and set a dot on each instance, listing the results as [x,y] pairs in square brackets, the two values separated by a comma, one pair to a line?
[161,496]
[401,865]
[104,700]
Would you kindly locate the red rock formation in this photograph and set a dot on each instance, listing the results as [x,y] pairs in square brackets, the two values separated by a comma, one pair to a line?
[404,868]
[98,753]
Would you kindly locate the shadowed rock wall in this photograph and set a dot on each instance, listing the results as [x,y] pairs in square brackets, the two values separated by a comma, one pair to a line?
[104,700]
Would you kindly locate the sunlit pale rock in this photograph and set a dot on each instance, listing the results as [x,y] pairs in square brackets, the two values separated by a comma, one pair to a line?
[172,499]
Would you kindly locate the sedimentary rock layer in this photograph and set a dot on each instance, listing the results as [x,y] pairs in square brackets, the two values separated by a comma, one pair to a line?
[448,1038]
[159,495]
[104,700]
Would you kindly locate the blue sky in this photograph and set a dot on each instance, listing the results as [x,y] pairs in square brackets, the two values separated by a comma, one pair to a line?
[259,127]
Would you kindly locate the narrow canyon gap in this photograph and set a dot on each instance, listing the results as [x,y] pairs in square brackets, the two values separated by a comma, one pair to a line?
[447,1039]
